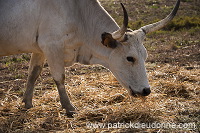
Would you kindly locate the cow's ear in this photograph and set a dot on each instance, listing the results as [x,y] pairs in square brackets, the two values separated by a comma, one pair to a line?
[108,41]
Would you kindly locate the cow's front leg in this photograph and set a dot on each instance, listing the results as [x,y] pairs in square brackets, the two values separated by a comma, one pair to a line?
[55,60]
[35,68]
[64,99]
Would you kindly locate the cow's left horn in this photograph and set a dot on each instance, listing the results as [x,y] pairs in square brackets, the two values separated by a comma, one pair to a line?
[117,35]
[158,25]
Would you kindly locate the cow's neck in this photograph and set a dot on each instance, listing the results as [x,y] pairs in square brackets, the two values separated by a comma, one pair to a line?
[95,21]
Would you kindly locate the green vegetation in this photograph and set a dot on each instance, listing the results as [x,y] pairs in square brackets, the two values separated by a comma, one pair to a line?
[184,22]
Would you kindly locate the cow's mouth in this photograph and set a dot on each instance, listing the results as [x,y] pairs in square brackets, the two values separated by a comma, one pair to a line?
[132,93]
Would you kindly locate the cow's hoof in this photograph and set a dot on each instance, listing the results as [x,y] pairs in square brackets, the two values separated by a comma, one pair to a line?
[70,110]
[70,114]
[28,105]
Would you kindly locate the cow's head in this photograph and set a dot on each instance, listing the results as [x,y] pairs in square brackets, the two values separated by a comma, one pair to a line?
[127,59]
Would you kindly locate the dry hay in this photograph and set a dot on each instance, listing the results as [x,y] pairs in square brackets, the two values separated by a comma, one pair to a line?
[100,98]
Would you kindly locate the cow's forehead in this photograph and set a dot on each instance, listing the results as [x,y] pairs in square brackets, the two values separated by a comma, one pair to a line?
[135,38]
[135,33]
[134,43]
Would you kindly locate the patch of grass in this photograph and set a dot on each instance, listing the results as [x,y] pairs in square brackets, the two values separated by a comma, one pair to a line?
[9,61]
[152,2]
[184,22]
[194,31]
[186,0]
[136,25]
[26,57]
[154,6]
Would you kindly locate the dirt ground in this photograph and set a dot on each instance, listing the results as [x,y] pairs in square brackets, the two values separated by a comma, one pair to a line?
[103,105]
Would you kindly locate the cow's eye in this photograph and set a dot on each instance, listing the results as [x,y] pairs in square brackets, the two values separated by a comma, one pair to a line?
[130,59]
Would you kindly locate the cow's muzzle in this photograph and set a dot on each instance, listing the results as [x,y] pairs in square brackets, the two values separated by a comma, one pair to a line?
[145,92]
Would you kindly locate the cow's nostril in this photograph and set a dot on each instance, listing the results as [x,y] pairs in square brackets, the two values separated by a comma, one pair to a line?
[146,91]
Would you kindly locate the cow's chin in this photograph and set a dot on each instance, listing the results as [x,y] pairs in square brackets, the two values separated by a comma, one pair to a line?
[134,94]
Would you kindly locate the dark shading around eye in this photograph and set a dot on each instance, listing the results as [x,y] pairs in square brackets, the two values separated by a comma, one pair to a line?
[130,59]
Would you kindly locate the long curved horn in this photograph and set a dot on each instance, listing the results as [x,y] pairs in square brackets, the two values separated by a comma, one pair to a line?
[117,35]
[158,25]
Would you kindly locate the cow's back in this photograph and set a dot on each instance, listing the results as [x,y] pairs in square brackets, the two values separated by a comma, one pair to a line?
[18,26]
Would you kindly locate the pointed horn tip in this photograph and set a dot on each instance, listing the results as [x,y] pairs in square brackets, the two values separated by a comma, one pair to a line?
[155,26]
[121,31]
[125,15]
[176,7]
[122,5]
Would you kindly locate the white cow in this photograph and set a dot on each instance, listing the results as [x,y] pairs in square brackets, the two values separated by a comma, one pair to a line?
[67,31]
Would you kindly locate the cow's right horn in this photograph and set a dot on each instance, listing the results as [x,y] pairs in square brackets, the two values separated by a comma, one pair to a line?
[158,25]
[119,34]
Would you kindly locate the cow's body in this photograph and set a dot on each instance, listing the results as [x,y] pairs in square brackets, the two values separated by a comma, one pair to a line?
[69,31]
[61,31]
[27,26]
